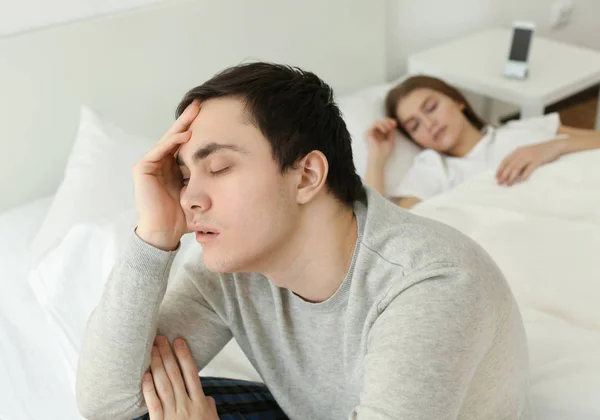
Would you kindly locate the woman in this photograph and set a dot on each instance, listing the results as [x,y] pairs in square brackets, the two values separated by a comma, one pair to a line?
[457,143]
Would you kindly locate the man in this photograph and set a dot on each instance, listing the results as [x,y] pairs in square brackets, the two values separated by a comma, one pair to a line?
[347,306]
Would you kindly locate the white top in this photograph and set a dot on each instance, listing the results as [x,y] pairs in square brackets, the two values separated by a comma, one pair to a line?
[556,69]
[432,173]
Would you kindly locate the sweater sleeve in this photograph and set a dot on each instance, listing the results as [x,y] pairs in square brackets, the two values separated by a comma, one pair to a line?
[424,348]
[120,332]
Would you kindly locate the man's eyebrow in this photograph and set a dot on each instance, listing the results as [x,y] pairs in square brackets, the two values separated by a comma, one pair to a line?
[209,149]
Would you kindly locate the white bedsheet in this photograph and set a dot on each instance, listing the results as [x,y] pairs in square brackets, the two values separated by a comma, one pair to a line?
[33,380]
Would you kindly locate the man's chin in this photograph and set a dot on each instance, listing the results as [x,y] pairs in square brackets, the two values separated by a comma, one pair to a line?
[223,265]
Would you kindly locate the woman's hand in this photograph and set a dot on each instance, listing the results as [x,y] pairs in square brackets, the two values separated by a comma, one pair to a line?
[169,395]
[381,138]
[518,166]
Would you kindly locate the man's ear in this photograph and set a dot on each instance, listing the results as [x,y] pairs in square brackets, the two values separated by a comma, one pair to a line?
[312,169]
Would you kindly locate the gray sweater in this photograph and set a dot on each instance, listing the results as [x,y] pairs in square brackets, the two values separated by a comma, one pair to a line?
[424,326]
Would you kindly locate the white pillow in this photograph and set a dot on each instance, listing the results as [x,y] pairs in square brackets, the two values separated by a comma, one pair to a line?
[69,280]
[97,181]
[359,110]
[18,226]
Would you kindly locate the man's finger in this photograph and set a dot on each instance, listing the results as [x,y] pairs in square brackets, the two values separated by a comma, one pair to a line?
[152,401]
[189,370]
[161,381]
[172,369]
[212,405]
[186,118]
[172,142]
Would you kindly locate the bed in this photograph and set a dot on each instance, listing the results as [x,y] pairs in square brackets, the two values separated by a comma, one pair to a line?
[82,101]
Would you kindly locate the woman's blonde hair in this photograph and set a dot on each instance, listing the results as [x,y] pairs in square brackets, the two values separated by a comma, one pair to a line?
[418,82]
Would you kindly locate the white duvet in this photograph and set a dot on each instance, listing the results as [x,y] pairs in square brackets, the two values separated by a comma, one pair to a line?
[544,235]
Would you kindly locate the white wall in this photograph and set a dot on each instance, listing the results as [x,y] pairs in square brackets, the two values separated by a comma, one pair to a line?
[583,29]
[415,25]
[24,15]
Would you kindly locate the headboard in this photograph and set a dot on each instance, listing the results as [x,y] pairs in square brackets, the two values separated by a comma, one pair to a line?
[133,67]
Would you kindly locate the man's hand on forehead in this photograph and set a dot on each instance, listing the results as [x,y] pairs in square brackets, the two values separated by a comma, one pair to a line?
[157,182]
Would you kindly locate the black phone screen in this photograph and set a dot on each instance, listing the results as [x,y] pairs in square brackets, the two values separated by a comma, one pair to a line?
[519,49]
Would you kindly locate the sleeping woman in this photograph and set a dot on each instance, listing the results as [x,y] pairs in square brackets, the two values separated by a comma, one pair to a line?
[457,143]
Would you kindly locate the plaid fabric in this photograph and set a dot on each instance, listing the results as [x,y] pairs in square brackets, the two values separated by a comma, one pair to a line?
[240,400]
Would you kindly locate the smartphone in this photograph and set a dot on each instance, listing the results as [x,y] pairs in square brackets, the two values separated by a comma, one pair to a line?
[517,65]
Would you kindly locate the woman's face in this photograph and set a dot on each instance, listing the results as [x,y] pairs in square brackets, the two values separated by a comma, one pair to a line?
[433,120]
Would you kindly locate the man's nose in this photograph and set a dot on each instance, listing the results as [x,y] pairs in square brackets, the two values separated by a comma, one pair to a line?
[194,198]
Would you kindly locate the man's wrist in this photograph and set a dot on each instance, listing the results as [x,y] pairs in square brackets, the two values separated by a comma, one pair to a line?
[161,240]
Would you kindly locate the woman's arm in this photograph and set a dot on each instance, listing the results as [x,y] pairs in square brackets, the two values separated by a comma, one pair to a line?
[375,174]
[407,202]
[380,138]
[374,177]
[578,139]
[519,165]
[381,143]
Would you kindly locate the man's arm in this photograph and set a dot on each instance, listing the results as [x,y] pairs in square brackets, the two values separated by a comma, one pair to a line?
[424,348]
[118,340]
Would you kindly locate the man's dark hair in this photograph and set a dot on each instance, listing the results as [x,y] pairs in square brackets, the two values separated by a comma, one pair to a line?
[295,111]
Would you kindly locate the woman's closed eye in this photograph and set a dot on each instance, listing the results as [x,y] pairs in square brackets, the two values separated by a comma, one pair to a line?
[431,107]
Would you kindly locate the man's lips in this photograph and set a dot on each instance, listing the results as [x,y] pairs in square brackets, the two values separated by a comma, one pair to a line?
[204,233]
[202,228]
[206,237]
